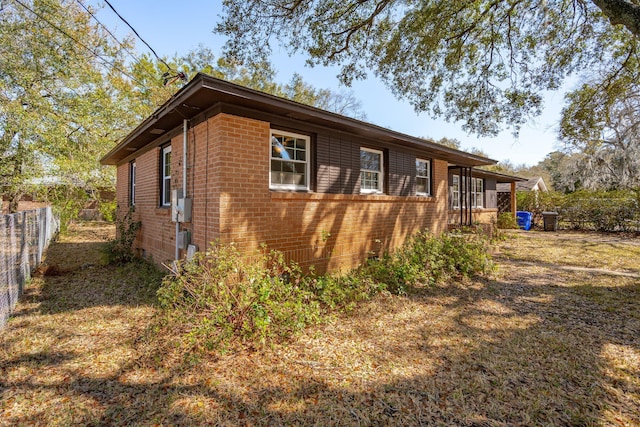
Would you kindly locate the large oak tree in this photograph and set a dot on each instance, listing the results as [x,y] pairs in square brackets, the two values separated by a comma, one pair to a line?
[485,63]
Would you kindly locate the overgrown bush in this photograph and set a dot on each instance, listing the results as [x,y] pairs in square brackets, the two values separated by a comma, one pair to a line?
[343,292]
[601,211]
[67,201]
[465,255]
[220,296]
[120,249]
[607,211]
[506,221]
[224,296]
[427,259]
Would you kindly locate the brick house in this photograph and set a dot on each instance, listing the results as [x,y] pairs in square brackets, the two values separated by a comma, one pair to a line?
[325,189]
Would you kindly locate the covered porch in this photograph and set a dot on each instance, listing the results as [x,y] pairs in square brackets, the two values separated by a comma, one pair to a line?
[473,196]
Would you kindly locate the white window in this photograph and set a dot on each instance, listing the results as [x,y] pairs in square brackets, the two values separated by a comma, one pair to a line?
[423,177]
[132,182]
[165,172]
[289,161]
[371,167]
[455,192]
[477,192]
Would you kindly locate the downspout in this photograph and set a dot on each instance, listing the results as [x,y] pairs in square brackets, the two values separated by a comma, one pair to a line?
[185,128]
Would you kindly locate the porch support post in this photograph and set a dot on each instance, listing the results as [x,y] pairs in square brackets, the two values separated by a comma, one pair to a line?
[469,198]
[461,196]
[514,203]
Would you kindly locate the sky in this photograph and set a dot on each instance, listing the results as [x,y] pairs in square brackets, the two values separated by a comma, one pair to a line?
[176,28]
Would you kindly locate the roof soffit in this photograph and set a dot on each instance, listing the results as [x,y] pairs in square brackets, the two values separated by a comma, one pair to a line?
[204,91]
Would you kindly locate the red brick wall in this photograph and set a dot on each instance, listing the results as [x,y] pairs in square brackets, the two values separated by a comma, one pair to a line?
[478,216]
[228,170]
[326,230]
[156,238]
[203,172]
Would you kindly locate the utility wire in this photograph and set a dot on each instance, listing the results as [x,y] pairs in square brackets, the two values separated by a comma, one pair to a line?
[138,35]
[131,54]
[168,78]
[108,31]
[100,58]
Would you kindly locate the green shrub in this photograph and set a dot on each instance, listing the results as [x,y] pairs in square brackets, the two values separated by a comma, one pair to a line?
[384,273]
[225,297]
[607,211]
[220,297]
[67,203]
[465,255]
[119,250]
[427,259]
[108,210]
[506,221]
[342,292]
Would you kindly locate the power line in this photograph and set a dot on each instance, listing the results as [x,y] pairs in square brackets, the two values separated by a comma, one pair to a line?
[131,54]
[100,58]
[181,75]
[108,31]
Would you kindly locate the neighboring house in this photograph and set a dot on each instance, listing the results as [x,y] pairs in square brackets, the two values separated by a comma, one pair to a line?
[532,184]
[506,192]
[325,189]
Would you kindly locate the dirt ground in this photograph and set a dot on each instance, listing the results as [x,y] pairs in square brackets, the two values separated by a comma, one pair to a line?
[552,339]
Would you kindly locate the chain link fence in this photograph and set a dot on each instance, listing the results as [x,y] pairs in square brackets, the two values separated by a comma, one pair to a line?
[24,238]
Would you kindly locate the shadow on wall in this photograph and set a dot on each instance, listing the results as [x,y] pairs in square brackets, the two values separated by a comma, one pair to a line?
[330,231]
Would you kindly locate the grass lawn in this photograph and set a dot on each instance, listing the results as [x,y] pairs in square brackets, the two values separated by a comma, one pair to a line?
[544,342]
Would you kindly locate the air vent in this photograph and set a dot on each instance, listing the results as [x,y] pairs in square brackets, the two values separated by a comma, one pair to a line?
[156,131]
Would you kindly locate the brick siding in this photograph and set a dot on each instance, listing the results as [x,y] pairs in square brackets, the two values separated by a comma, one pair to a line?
[228,176]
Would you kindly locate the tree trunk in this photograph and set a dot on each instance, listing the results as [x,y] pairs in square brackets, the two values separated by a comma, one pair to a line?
[621,12]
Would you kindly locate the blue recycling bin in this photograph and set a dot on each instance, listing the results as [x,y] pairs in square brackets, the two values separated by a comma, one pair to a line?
[524,219]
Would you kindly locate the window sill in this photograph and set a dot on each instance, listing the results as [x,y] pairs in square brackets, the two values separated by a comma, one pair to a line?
[289,190]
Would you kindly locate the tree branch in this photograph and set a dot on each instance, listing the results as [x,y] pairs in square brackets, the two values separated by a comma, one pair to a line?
[368,22]
[621,12]
[475,23]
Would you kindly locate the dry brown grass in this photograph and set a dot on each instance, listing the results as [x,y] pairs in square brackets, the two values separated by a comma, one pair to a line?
[536,345]
[591,250]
